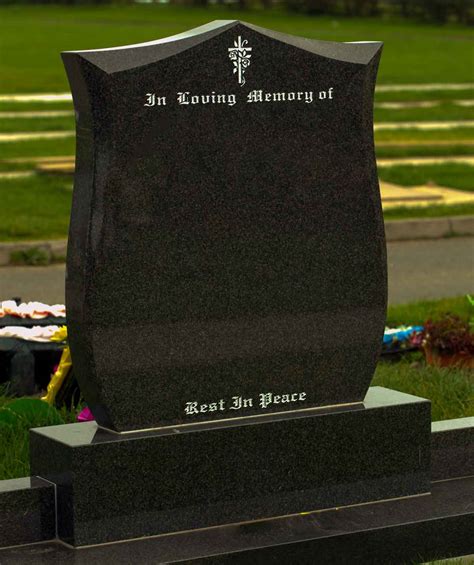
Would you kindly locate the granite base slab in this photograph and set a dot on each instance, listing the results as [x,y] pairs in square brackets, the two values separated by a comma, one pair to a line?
[396,532]
[27,511]
[118,486]
[452,449]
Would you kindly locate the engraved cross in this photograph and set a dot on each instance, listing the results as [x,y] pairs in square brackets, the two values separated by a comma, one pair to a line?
[240,55]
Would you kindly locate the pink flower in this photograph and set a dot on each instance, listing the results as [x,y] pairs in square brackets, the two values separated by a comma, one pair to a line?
[85,415]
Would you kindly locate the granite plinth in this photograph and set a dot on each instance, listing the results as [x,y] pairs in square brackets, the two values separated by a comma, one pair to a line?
[27,511]
[452,449]
[119,486]
[226,236]
[395,532]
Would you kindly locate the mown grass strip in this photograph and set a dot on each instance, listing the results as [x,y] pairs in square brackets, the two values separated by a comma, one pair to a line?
[24,166]
[445,111]
[384,151]
[413,95]
[38,148]
[427,136]
[35,106]
[421,212]
[452,175]
[8,125]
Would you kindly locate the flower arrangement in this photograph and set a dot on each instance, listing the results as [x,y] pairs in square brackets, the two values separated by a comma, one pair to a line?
[448,341]
[401,339]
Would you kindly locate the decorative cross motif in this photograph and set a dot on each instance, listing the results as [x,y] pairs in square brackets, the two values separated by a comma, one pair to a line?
[240,56]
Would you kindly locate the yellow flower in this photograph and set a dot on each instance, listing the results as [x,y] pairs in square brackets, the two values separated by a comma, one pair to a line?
[60,334]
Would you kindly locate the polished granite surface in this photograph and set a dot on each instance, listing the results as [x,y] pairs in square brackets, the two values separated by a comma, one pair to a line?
[396,532]
[452,449]
[81,434]
[27,511]
[119,486]
[224,258]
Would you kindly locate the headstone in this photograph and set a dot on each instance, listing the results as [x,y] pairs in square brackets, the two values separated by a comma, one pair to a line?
[226,252]
[226,295]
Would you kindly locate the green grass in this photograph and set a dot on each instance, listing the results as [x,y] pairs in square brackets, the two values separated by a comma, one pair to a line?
[38,148]
[438,113]
[413,52]
[35,106]
[451,391]
[34,208]
[418,312]
[14,452]
[408,134]
[416,95]
[8,125]
[14,434]
[453,175]
[424,150]
[10,167]
[440,211]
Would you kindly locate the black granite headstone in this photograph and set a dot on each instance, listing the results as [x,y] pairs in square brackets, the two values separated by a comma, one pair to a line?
[226,253]
[227,263]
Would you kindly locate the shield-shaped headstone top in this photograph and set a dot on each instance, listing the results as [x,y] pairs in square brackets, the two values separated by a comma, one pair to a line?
[226,252]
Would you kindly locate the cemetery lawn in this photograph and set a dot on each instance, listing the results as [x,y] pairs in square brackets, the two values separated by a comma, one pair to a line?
[428,149]
[453,175]
[455,134]
[38,148]
[413,52]
[65,123]
[416,313]
[14,438]
[35,207]
[442,111]
[451,391]
[420,212]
